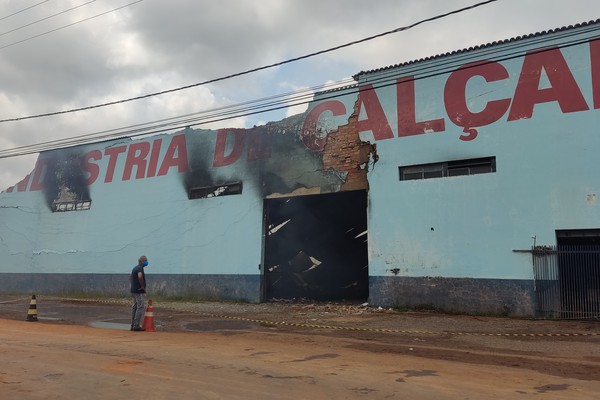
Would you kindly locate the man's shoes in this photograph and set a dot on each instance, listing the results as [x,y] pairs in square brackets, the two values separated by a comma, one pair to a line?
[137,329]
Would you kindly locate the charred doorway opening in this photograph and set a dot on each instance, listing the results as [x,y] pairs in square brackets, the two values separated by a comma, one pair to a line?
[578,253]
[316,247]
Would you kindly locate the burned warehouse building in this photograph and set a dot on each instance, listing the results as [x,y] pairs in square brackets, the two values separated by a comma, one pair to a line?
[464,182]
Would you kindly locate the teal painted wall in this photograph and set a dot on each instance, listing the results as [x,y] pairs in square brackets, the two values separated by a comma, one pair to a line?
[128,218]
[535,112]
[546,162]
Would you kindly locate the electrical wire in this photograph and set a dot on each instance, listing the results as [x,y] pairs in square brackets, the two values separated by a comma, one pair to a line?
[221,113]
[249,71]
[67,26]
[25,9]
[46,18]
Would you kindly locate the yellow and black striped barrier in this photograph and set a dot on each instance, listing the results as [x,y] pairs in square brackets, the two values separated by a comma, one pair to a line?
[32,312]
[387,330]
[342,328]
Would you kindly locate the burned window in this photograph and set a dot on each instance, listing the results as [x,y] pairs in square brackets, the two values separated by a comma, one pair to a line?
[225,189]
[77,205]
[67,200]
[471,166]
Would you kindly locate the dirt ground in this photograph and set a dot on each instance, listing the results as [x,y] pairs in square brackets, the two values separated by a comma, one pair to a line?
[321,350]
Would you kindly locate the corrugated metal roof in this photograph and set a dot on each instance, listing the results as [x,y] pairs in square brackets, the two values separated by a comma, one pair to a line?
[483,46]
[338,89]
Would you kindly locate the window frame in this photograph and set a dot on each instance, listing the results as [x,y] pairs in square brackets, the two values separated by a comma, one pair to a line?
[446,169]
[73,205]
[207,192]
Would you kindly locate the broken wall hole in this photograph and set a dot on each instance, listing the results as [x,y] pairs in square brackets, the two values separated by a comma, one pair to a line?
[316,247]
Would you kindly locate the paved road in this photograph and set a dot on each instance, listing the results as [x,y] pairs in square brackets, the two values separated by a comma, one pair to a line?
[62,357]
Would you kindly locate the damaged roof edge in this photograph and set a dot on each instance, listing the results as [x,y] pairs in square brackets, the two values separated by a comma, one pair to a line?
[479,47]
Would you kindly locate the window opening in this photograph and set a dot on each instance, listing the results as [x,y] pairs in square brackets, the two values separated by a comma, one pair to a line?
[215,191]
[77,205]
[68,200]
[472,166]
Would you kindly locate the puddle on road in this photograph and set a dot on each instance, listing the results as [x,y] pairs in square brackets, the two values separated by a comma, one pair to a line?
[110,325]
[121,325]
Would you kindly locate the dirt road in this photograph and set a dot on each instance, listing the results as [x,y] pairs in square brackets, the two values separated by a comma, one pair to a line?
[292,351]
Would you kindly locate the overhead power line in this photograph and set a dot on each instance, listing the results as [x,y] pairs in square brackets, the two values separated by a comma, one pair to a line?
[63,27]
[418,71]
[46,18]
[257,106]
[25,9]
[246,72]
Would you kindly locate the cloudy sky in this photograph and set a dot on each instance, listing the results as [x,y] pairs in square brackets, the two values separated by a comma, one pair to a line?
[64,54]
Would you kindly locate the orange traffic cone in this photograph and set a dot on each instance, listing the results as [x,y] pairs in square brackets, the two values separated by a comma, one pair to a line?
[32,312]
[149,318]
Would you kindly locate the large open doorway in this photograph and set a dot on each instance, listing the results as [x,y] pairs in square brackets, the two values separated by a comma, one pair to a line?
[316,247]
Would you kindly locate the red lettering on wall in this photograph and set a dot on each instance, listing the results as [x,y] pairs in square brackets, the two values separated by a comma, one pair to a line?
[455,96]
[37,183]
[595,67]
[376,120]
[563,90]
[407,120]
[221,159]
[153,165]
[22,185]
[310,128]
[257,146]
[90,167]
[136,156]
[177,146]
[469,134]
[113,155]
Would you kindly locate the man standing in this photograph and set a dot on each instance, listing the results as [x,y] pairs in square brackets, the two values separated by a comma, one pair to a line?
[138,291]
